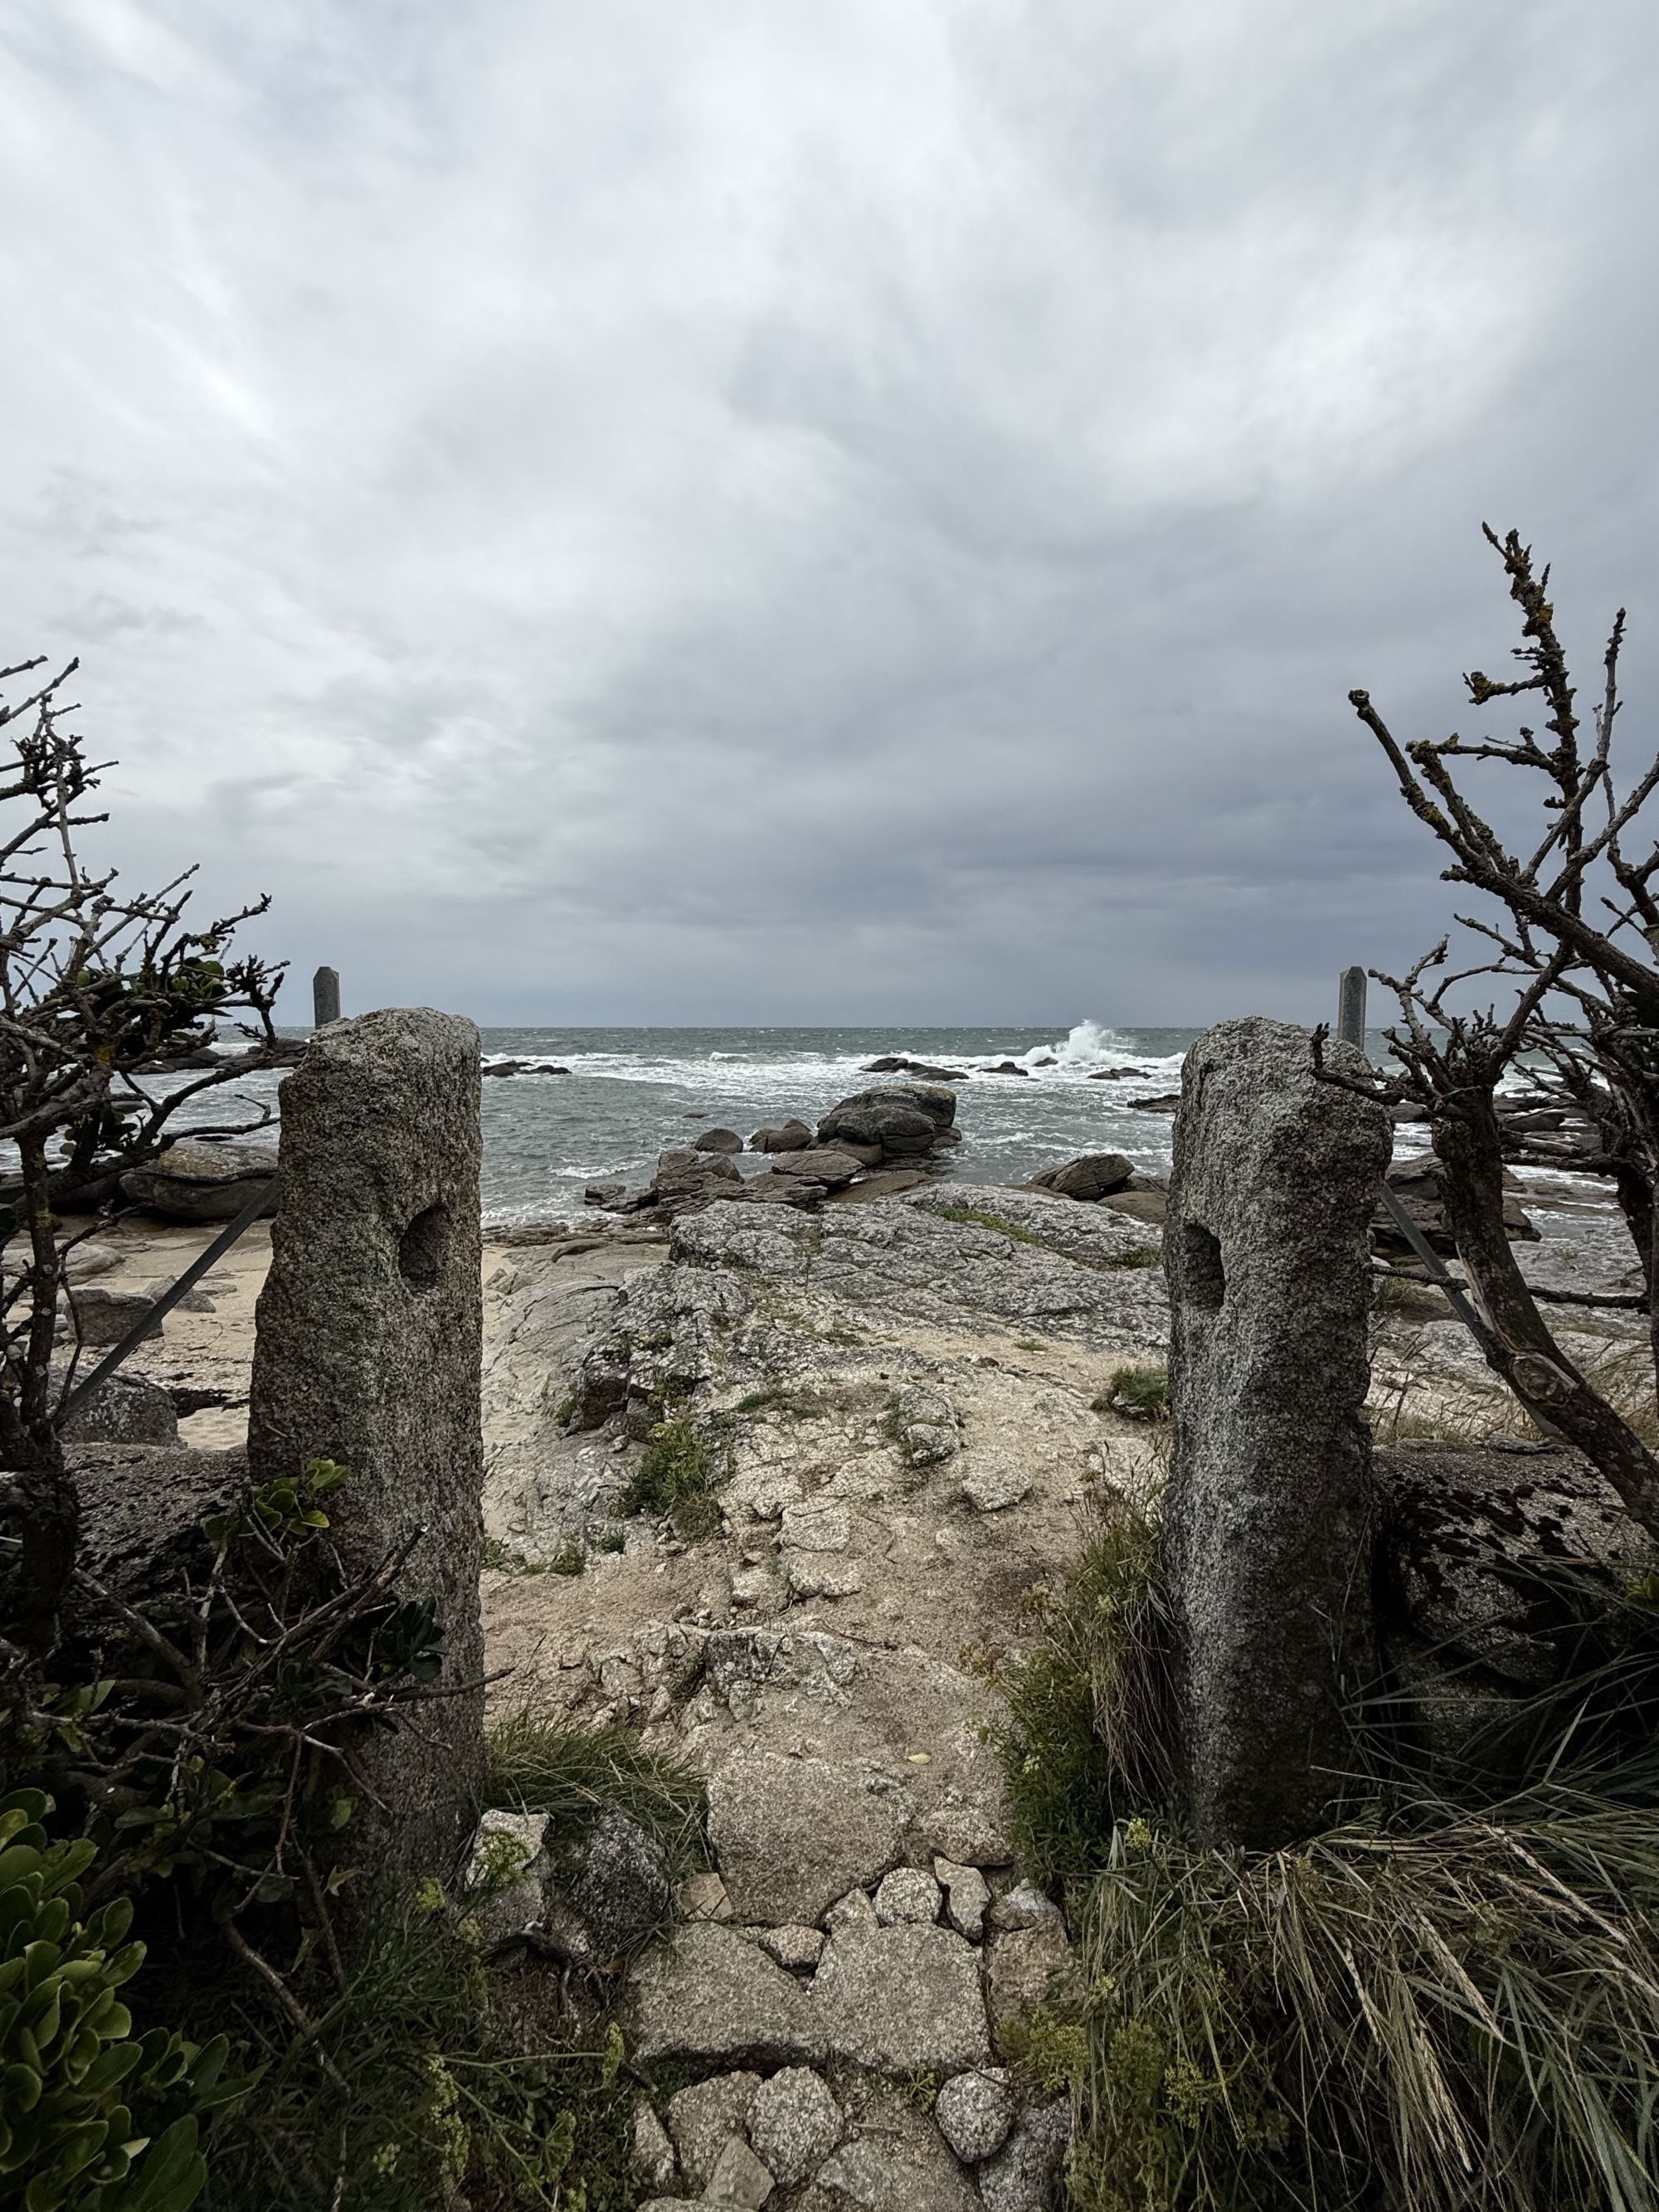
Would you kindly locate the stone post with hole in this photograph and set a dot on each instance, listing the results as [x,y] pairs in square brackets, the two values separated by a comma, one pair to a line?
[368,1352]
[1269,1519]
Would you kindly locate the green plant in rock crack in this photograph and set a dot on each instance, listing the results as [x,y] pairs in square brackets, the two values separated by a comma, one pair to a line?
[675,1473]
[92,2118]
[1140,1392]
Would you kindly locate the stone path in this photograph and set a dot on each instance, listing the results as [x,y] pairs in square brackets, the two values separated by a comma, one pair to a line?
[899,1404]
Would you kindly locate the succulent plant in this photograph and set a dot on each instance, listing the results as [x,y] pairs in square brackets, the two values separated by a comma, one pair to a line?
[72,2073]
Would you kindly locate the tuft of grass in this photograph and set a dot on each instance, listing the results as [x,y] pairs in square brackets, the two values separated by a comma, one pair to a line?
[611,1540]
[1450,1999]
[1399,1299]
[1624,1375]
[569,1559]
[1142,1393]
[575,1774]
[1089,1733]
[415,2084]
[675,1465]
[1421,2007]
[980,1220]
[1137,1255]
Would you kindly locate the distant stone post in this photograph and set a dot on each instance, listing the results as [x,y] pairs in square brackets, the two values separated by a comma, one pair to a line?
[1268,1520]
[325,996]
[368,1352]
[1350,1008]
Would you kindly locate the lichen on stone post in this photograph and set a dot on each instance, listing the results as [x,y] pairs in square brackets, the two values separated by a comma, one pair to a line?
[368,1352]
[1269,1518]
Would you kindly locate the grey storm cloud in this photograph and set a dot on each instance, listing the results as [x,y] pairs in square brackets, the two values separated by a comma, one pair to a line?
[752,512]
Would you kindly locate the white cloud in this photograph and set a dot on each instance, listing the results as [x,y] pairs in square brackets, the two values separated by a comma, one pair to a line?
[810,503]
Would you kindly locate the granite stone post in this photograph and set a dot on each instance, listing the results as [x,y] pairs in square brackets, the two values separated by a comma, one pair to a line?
[1269,1517]
[325,996]
[1351,1007]
[368,1352]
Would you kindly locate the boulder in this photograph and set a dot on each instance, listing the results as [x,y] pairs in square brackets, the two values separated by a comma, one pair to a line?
[703,2118]
[1087,1178]
[651,2153]
[103,1316]
[507,1872]
[901,2164]
[125,1409]
[718,1141]
[897,1064]
[900,1999]
[738,2180]
[1025,1905]
[1025,2175]
[708,1996]
[909,1897]
[621,1890]
[967,1893]
[1151,1206]
[606,1195]
[975,2112]
[924,1426]
[892,1183]
[851,1915]
[991,1485]
[684,1173]
[791,1834]
[1021,1968]
[199,1180]
[797,1947]
[1474,1545]
[828,1165]
[1006,1067]
[141,1510]
[794,2122]
[82,1261]
[1165,1102]
[1416,1184]
[901,1118]
[789,1139]
[776,1186]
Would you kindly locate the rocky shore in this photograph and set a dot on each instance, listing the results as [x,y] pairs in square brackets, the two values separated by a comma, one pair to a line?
[771,1484]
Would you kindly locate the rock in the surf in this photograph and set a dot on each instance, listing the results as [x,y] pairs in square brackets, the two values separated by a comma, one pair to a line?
[789,1139]
[902,1118]
[1087,1178]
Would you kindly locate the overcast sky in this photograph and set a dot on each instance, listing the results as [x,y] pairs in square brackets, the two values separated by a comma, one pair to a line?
[747,510]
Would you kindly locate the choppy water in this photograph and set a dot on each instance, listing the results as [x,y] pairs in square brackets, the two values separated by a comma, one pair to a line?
[631,1093]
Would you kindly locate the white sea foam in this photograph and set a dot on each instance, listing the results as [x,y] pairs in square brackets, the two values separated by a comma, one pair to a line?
[1093,1042]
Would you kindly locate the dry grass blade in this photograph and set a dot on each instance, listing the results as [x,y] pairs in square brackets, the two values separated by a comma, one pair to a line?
[1462,2014]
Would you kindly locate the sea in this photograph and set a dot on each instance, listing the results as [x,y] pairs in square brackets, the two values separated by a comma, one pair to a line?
[632,1093]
